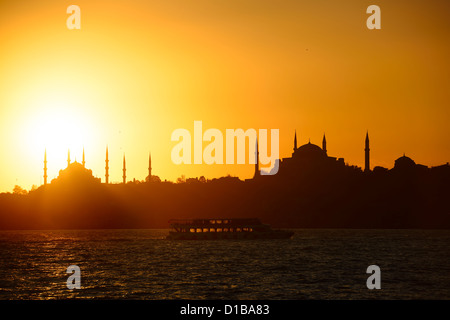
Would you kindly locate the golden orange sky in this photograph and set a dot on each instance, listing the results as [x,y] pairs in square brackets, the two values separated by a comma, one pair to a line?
[138,70]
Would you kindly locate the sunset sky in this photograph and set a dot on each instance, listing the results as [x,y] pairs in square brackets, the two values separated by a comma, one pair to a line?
[138,70]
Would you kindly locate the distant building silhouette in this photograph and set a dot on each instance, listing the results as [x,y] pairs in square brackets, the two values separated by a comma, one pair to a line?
[107,167]
[408,167]
[404,163]
[150,165]
[308,157]
[295,140]
[367,155]
[75,173]
[124,177]
[83,162]
[257,172]
[45,167]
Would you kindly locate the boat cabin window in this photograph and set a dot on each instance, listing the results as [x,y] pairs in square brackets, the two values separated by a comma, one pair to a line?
[212,230]
[219,229]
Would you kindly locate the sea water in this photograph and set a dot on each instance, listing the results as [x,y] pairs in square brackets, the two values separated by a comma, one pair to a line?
[141,264]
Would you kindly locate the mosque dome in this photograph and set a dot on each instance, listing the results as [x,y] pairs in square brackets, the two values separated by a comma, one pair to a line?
[75,173]
[404,162]
[309,150]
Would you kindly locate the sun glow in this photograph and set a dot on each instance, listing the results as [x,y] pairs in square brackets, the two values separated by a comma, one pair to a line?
[58,129]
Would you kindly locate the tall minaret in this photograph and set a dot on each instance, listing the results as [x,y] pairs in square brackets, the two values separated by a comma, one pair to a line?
[107,167]
[149,166]
[68,158]
[257,173]
[124,170]
[83,162]
[45,167]
[295,140]
[324,144]
[367,157]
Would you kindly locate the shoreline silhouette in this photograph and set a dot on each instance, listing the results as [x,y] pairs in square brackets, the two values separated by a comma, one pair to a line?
[311,190]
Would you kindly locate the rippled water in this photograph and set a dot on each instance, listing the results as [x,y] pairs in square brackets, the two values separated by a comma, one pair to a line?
[140,264]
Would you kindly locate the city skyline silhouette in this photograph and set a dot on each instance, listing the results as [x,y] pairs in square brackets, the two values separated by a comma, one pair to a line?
[314,150]
[310,190]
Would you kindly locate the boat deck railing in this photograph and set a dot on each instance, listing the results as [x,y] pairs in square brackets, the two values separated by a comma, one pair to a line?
[215,222]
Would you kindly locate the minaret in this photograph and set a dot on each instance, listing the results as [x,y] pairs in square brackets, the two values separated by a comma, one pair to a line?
[257,173]
[107,167]
[45,167]
[367,157]
[295,140]
[124,170]
[149,166]
[83,162]
[68,158]
[324,144]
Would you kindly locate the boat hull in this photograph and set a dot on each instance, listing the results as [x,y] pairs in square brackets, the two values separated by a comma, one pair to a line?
[279,234]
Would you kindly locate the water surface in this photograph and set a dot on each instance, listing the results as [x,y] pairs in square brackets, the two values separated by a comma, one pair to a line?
[141,264]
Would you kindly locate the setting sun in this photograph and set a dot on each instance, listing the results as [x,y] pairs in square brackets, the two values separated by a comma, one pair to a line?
[58,130]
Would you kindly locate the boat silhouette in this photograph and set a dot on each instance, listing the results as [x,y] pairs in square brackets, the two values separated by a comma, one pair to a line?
[235,228]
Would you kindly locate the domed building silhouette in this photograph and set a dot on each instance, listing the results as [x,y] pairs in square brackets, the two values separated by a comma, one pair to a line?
[406,165]
[404,162]
[309,151]
[76,172]
[309,158]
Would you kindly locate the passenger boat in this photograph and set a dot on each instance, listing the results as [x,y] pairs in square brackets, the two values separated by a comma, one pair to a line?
[235,228]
